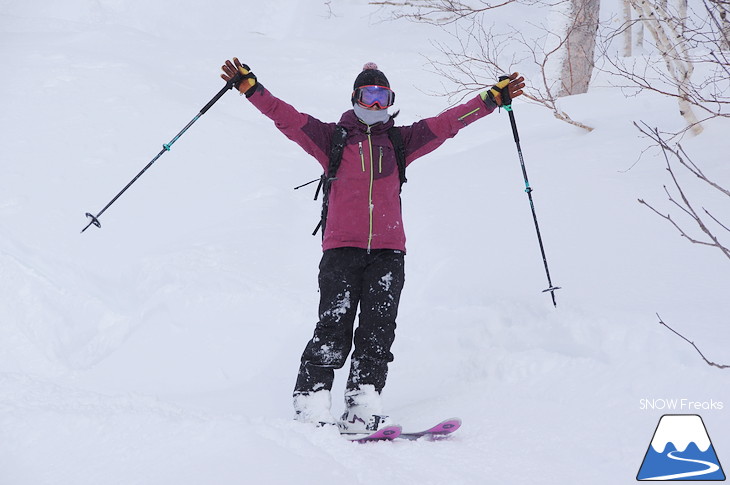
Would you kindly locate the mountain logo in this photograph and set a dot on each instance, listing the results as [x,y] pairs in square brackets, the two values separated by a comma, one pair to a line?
[680,450]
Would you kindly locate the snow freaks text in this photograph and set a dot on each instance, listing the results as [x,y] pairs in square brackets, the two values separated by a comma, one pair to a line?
[684,405]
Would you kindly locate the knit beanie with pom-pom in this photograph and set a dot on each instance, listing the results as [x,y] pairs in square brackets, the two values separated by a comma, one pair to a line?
[371,76]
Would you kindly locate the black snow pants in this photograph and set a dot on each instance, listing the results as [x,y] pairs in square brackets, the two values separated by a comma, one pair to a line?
[348,277]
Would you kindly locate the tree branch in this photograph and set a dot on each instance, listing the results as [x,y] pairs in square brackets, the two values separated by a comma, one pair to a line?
[477,55]
[710,363]
[684,204]
[693,45]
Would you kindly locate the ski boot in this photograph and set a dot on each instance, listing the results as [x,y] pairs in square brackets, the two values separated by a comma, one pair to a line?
[314,407]
[363,412]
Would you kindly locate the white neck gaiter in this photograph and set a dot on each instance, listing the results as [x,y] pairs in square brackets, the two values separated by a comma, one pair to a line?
[371,116]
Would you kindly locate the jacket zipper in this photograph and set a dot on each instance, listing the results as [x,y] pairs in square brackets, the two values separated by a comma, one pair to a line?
[468,114]
[380,161]
[362,157]
[370,193]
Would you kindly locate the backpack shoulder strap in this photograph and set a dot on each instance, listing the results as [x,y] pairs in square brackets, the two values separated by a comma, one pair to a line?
[400,152]
[339,137]
[337,146]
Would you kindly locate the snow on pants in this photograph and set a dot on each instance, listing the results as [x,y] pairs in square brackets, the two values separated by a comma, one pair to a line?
[348,277]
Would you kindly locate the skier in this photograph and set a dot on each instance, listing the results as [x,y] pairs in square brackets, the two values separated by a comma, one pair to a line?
[363,238]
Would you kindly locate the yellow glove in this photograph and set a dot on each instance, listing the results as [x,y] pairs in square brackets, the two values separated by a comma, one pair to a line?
[508,88]
[244,79]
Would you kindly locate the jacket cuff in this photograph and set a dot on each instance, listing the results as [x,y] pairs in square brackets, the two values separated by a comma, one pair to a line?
[489,102]
[256,87]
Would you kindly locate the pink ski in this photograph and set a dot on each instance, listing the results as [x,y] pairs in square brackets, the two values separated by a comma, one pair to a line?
[440,430]
[388,433]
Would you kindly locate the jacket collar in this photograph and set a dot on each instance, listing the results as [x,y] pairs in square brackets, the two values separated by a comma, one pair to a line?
[352,123]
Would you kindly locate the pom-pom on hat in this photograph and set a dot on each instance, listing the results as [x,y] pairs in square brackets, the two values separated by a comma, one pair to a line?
[371,76]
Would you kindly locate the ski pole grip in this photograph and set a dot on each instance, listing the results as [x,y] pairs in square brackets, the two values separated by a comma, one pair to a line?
[506,98]
[235,80]
[243,75]
[215,99]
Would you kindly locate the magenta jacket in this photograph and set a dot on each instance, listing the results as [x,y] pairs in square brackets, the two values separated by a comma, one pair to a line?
[364,200]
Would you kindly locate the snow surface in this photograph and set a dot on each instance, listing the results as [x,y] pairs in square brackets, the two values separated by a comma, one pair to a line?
[163,347]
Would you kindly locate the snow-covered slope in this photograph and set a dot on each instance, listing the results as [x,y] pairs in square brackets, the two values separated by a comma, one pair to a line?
[163,347]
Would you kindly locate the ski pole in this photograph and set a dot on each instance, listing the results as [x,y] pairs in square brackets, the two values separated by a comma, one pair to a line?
[165,148]
[507,105]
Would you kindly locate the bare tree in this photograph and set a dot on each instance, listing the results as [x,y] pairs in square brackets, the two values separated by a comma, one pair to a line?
[441,12]
[699,226]
[685,38]
[704,220]
[627,35]
[707,361]
[667,30]
[478,53]
[632,32]
[330,13]
[639,37]
[720,13]
[580,47]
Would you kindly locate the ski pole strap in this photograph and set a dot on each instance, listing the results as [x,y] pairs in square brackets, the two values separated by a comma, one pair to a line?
[235,80]
[229,85]
[320,186]
[305,184]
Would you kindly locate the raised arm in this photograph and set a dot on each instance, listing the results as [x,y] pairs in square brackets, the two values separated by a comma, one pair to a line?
[312,135]
[428,134]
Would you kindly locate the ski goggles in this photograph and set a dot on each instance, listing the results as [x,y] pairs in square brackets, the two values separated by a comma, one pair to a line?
[378,97]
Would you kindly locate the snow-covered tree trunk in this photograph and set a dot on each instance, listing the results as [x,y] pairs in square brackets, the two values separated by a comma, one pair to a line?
[627,37]
[580,46]
[666,31]
[639,37]
[720,9]
[682,15]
